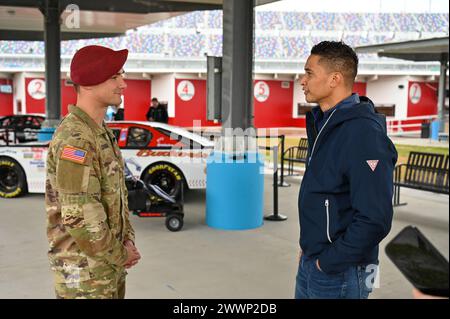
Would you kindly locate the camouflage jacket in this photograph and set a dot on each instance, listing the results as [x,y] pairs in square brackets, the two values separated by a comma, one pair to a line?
[86,200]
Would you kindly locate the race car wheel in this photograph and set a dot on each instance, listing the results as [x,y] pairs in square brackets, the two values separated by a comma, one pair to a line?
[166,176]
[174,222]
[13,182]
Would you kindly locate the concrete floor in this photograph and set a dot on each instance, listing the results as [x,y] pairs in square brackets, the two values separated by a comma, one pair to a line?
[201,262]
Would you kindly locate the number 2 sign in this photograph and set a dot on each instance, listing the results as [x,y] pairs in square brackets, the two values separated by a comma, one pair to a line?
[36,89]
[415,93]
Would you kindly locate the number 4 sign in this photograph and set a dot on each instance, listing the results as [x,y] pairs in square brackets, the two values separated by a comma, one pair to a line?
[186,90]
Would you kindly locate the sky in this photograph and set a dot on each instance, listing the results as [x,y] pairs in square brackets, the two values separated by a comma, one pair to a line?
[409,6]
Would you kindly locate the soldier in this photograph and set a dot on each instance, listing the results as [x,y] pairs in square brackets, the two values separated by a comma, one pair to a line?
[91,239]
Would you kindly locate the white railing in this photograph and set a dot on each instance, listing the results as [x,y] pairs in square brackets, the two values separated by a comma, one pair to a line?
[396,127]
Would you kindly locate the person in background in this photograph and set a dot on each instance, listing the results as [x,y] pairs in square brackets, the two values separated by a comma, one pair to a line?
[157,112]
[120,114]
[110,113]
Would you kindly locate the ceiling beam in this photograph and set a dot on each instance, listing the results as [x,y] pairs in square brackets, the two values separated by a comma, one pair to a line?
[22,3]
[131,6]
[26,35]
[418,57]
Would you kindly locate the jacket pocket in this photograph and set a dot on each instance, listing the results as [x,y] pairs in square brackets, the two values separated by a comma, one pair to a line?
[327,212]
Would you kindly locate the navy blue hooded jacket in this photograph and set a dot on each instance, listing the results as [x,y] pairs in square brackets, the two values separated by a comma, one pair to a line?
[345,200]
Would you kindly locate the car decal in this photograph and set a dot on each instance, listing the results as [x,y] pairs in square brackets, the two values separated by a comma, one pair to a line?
[149,153]
[123,136]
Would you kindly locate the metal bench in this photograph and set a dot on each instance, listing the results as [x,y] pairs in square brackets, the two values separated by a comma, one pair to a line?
[423,171]
[296,154]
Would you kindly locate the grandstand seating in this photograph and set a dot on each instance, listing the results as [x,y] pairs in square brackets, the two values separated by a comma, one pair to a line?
[145,43]
[267,47]
[189,21]
[187,45]
[268,20]
[279,34]
[216,47]
[295,47]
[354,22]
[433,23]
[215,20]
[297,21]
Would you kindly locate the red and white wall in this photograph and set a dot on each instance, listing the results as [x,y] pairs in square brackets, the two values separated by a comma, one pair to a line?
[137,98]
[6,99]
[186,97]
[422,98]
[35,95]
[163,88]
[412,96]
[30,96]
[275,100]
[273,103]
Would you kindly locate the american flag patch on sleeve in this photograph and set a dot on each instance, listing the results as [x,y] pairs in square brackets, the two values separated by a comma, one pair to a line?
[73,154]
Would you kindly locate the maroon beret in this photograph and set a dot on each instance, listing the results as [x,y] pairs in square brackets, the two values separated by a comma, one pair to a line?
[95,64]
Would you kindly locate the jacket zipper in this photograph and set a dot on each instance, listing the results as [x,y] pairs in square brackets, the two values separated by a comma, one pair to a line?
[327,207]
[317,138]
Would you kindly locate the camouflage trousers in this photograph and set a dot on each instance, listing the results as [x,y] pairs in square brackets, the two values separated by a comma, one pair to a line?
[110,286]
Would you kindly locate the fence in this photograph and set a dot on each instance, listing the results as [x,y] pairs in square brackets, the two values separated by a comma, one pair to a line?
[407,126]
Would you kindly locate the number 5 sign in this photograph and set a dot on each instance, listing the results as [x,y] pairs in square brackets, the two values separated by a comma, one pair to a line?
[261,91]
[186,90]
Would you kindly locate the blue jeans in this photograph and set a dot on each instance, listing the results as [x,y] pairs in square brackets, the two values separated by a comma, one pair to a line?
[313,283]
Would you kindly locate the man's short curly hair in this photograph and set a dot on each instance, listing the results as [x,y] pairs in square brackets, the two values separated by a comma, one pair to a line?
[338,57]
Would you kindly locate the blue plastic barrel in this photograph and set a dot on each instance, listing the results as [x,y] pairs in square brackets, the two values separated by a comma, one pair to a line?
[435,130]
[234,191]
[46,134]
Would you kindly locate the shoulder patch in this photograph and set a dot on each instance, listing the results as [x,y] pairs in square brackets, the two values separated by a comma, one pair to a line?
[73,154]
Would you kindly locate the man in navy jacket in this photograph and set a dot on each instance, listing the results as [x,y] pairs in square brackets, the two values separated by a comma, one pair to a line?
[345,200]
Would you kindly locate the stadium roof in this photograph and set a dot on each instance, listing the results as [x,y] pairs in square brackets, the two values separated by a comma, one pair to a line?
[416,50]
[22,19]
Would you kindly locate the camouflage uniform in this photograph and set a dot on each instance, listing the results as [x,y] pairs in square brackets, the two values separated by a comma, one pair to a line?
[87,210]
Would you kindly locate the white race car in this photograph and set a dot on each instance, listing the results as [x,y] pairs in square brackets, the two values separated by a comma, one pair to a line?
[159,154]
